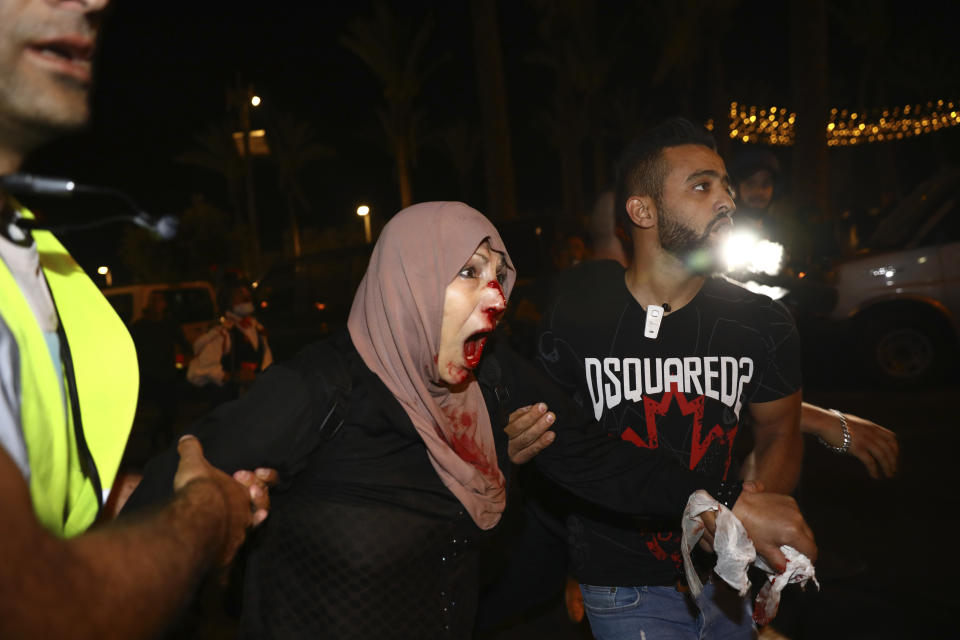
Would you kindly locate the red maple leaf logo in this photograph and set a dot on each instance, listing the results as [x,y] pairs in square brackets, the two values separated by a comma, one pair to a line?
[699,444]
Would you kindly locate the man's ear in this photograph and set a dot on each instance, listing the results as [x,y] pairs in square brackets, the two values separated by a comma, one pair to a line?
[642,211]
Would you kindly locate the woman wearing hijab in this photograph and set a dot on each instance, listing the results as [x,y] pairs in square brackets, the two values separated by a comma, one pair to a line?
[375,534]
[390,439]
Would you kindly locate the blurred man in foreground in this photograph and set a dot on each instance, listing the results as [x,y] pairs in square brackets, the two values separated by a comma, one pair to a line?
[68,388]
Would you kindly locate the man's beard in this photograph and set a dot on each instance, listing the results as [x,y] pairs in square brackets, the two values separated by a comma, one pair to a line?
[682,241]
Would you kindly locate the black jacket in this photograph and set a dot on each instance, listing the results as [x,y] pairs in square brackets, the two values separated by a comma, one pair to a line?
[371,486]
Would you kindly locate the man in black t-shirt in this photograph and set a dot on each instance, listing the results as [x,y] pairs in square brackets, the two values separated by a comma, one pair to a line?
[670,359]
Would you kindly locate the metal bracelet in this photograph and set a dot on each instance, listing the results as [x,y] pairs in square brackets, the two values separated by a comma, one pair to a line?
[845,447]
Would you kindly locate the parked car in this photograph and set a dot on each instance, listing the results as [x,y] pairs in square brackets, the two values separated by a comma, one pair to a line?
[902,295]
[192,304]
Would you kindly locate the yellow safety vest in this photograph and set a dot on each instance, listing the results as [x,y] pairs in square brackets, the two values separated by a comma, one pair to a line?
[107,379]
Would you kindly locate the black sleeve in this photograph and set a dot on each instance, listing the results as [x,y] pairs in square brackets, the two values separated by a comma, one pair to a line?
[594,466]
[273,425]
[781,375]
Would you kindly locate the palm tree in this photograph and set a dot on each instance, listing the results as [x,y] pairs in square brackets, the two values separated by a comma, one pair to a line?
[293,146]
[393,49]
[497,152]
[691,52]
[581,62]
[216,151]
[808,65]
[459,142]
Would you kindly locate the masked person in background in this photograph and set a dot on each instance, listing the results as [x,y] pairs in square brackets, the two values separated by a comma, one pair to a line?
[231,354]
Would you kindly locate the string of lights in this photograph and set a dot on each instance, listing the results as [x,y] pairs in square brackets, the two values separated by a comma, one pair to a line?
[775,125]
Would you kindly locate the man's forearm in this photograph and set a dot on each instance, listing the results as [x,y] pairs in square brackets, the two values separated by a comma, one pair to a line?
[777,455]
[125,579]
[817,421]
[777,464]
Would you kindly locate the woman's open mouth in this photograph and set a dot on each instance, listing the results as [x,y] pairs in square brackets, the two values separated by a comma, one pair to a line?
[473,349]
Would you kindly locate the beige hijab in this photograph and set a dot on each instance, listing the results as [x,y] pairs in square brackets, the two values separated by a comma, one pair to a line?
[395,325]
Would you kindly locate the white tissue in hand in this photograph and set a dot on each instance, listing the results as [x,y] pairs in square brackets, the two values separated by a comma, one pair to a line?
[735,552]
[692,526]
[799,570]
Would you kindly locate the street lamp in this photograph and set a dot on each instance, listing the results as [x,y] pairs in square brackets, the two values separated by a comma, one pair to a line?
[255,101]
[364,212]
[107,275]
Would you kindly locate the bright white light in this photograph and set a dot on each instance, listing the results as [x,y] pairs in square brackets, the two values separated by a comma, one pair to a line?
[363,210]
[744,251]
[773,292]
[255,101]
[103,270]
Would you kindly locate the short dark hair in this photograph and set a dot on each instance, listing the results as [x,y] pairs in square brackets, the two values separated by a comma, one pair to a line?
[640,168]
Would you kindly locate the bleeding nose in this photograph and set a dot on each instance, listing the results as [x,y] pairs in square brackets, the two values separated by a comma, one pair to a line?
[496,301]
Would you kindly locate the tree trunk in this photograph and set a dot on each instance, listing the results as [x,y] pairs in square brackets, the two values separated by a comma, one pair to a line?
[719,100]
[601,166]
[402,151]
[252,217]
[810,183]
[244,92]
[294,225]
[499,176]
[571,170]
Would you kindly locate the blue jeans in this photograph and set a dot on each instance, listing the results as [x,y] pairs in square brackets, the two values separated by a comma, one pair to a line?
[652,613]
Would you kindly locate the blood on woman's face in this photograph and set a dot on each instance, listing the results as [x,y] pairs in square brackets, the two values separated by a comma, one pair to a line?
[473,303]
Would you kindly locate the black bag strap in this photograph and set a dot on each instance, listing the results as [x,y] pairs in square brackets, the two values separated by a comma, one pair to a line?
[334,375]
[490,376]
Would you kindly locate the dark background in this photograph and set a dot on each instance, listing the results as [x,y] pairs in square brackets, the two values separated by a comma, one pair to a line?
[163,71]
[162,77]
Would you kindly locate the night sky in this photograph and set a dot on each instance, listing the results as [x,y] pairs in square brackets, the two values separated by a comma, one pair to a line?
[163,69]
